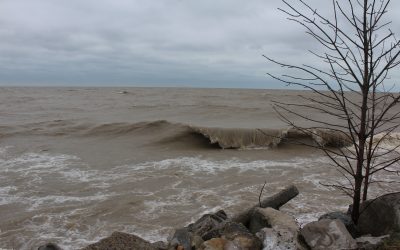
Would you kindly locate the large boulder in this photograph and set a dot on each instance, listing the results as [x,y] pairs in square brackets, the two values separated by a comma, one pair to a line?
[380,216]
[119,240]
[327,235]
[345,218]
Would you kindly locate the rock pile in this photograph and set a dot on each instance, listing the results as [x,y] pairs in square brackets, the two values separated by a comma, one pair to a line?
[267,228]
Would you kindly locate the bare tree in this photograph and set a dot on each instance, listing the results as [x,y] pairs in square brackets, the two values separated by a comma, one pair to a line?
[353,88]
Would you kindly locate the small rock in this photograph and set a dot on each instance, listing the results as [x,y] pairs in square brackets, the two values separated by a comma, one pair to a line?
[345,218]
[380,216]
[269,217]
[328,235]
[370,243]
[49,246]
[119,240]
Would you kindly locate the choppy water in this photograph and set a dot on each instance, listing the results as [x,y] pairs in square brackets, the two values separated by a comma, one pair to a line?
[78,164]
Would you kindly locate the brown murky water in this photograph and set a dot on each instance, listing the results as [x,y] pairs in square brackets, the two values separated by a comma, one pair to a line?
[77,164]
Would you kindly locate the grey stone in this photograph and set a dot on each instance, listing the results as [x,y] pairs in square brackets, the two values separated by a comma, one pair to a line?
[380,216]
[119,240]
[328,235]
[345,218]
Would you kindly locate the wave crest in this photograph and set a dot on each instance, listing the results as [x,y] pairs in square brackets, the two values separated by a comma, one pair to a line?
[241,138]
[162,131]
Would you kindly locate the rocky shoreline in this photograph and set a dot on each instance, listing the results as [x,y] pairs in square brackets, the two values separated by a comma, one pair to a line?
[264,227]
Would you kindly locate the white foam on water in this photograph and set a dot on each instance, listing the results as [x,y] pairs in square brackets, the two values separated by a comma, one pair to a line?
[194,165]
[193,186]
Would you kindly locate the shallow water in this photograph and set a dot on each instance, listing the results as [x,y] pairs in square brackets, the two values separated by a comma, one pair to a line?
[78,164]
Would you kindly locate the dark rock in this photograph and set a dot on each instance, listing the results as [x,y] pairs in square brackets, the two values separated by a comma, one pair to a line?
[370,243]
[120,240]
[207,224]
[345,218]
[182,237]
[380,216]
[49,246]
[327,235]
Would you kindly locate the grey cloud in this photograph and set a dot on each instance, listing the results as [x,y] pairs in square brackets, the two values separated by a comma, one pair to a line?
[175,42]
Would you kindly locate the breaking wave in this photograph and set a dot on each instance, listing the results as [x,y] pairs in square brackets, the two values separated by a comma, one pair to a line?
[163,131]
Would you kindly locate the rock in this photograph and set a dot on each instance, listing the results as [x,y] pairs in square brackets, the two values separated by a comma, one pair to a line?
[240,236]
[370,243]
[49,246]
[119,240]
[207,224]
[182,237]
[278,230]
[214,244]
[327,234]
[277,239]
[345,218]
[275,201]
[380,216]
[269,217]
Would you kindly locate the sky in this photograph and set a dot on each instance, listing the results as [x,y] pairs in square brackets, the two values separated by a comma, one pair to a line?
[179,43]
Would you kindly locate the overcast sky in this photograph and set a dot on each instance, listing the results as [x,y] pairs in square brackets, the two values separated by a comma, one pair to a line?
[198,43]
